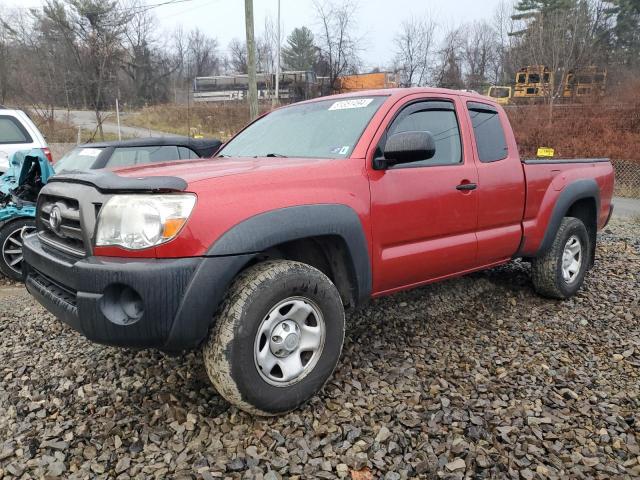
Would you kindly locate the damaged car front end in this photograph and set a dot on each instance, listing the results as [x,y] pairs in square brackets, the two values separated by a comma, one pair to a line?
[28,172]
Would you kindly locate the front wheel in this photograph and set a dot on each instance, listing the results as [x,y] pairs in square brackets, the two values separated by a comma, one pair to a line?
[559,273]
[11,240]
[277,338]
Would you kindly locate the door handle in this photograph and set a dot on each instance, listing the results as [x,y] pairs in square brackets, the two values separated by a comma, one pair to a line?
[467,186]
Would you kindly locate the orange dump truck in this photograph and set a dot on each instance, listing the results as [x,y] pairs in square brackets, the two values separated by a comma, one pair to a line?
[367,81]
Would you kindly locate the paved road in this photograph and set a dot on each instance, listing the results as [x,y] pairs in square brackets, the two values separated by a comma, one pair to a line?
[87,120]
[626,207]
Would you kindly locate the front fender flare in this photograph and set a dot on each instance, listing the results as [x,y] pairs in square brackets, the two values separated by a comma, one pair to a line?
[274,227]
[240,245]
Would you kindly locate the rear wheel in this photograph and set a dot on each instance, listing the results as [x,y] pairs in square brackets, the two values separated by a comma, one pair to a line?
[559,273]
[277,339]
[11,240]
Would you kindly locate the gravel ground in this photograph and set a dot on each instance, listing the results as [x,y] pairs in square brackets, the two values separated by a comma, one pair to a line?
[476,377]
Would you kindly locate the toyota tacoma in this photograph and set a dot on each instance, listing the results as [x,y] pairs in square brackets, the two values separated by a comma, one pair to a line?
[254,255]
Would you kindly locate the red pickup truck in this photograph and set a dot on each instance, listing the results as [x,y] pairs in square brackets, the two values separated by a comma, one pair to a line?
[254,255]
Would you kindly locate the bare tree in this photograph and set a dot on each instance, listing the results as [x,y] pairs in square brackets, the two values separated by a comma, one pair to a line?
[336,41]
[93,32]
[202,54]
[237,58]
[414,48]
[147,63]
[479,53]
[449,66]
[267,47]
[4,55]
[504,68]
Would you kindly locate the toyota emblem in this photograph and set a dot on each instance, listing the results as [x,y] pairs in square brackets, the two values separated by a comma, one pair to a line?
[55,219]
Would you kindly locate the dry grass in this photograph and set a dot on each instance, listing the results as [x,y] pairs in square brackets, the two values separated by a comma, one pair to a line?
[57,131]
[608,129]
[604,130]
[219,120]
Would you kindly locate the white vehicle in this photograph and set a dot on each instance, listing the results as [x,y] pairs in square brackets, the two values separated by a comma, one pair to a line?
[18,132]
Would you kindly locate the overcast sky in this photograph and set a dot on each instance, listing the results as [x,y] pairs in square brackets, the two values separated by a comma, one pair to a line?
[377,20]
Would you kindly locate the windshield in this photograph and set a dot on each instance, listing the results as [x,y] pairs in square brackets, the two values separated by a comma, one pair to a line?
[499,92]
[322,129]
[78,159]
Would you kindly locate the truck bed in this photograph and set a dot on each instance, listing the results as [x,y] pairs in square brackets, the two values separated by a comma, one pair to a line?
[549,181]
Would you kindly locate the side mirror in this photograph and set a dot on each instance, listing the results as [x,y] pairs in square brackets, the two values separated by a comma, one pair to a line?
[407,147]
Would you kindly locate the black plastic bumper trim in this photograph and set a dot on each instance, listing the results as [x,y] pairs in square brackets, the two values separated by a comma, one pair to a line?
[180,296]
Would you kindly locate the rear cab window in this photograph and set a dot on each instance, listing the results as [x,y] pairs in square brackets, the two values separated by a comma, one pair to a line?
[82,158]
[488,132]
[130,156]
[187,153]
[12,131]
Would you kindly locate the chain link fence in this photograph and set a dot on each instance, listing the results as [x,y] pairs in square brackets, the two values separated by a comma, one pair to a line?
[627,178]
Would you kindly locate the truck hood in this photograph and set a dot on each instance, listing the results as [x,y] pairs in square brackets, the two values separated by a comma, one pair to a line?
[197,170]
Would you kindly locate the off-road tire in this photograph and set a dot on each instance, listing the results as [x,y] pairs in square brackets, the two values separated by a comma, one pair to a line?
[546,270]
[229,351]
[7,230]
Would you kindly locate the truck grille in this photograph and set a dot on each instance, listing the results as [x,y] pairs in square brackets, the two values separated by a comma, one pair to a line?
[59,224]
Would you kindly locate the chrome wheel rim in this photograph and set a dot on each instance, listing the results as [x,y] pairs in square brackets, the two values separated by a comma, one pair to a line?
[571,259]
[289,341]
[12,248]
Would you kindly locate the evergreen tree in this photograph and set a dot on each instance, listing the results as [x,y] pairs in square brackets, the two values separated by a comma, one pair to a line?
[626,30]
[533,8]
[300,53]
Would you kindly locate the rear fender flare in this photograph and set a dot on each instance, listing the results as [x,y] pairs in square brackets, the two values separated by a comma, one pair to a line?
[578,190]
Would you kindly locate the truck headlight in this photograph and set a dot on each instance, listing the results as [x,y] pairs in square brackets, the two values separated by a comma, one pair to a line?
[142,221]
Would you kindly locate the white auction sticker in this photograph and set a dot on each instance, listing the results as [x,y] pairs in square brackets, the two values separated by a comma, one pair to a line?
[90,152]
[353,103]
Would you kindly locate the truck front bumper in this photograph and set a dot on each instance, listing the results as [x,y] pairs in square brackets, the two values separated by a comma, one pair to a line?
[167,304]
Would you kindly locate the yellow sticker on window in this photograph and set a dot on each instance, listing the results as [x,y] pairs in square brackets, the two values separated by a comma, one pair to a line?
[546,152]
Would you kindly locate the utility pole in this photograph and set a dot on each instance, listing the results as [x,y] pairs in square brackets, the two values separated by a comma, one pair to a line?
[277,95]
[251,59]
[118,117]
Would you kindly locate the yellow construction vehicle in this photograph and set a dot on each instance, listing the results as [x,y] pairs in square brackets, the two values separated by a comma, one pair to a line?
[586,83]
[501,94]
[533,83]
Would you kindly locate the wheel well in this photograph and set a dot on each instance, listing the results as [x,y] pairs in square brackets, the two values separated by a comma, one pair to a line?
[586,210]
[329,254]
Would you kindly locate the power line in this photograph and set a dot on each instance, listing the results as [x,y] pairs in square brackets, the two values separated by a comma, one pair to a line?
[197,7]
[137,8]
[146,8]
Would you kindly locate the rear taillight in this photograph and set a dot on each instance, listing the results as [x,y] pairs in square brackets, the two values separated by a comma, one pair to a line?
[47,153]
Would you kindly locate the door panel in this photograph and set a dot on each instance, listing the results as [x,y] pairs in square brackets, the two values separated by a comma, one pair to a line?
[501,185]
[423,227]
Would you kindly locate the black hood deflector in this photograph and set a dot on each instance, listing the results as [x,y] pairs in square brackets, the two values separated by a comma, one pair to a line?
[109,182]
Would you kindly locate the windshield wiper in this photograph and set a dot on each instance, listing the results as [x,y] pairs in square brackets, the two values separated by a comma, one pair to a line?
[275,155]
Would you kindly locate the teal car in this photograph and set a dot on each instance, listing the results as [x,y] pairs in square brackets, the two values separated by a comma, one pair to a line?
[19,187]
